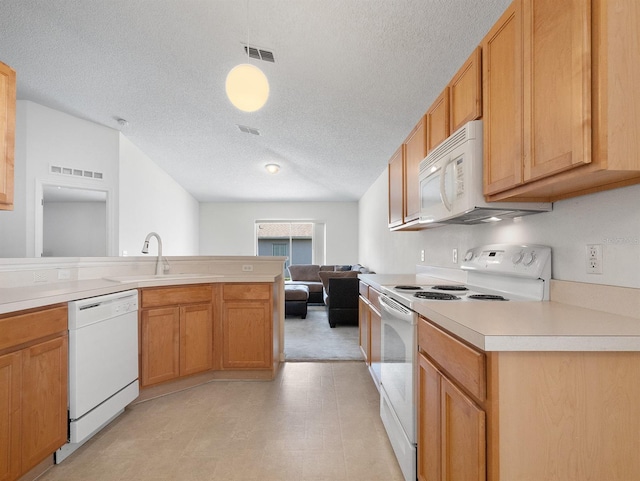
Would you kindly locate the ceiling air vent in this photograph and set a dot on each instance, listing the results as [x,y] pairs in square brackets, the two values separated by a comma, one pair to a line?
[248,130]
[259,54]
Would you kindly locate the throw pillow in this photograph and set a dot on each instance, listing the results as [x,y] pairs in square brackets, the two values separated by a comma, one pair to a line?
[342,268]
[326,275]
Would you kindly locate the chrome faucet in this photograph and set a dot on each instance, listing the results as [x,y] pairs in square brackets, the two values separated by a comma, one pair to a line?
[145,250]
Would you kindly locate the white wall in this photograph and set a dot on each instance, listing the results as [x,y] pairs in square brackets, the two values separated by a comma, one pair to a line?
[47,137]
[75,229]
[610,218]
[228,228]
[141,197]
[150,200]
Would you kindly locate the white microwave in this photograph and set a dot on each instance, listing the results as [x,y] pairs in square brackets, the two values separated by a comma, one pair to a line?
[451,184]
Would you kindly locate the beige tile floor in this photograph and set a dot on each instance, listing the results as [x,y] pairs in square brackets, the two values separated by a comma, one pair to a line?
[315,422]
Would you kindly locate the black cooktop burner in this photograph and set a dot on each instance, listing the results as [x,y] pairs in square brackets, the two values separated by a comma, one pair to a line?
[487,297]
[408,288]
[450,288]
[439,296]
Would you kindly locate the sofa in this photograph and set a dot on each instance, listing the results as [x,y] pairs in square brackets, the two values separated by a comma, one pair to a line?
[307,275]
[336,286]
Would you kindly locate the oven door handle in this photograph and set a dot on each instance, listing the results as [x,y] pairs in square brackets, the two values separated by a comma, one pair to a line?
[397,310]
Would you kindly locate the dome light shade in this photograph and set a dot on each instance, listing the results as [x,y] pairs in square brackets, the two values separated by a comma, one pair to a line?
[247,87]
[272,168]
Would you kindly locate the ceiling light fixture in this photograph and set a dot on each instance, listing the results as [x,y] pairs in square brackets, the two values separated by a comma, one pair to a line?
[247,86]
[272,168]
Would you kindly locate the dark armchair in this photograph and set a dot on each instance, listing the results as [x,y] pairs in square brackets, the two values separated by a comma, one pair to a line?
[341,298]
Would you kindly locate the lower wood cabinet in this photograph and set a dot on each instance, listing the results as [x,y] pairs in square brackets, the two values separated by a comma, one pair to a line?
[370,329]
[364,328]
[33,388]
[525,415]
[451,430]
[177,339]
[247,328]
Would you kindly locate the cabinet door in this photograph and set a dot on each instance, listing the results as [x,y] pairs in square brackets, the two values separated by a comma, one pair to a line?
[7,134]
[396,189]
[465,92]
[159,345]
[10,415]
[44,400]
[246,335]
[463,437]
[502,102]
[364,331]
[196,339]
[415,150]
[557,86]
[438,120]
[429,452]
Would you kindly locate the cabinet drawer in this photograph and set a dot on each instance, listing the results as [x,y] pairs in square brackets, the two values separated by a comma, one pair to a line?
[465,365]
[173,296]
[364,290]
[374,298]
[21,328]
[248,292]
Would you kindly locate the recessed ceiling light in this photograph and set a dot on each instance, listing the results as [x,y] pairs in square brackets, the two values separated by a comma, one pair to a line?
[272,168]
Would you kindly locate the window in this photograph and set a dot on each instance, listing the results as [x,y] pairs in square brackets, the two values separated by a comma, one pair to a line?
[291,239]
[280,250]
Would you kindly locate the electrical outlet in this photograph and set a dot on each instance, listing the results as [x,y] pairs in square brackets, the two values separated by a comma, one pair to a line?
[594,259]
[454,256]
[64,274]
[422,255]
[39,277]
[247,268]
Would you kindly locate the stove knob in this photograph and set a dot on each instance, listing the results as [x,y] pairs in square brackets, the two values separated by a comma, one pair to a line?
[529,258]
[517,257]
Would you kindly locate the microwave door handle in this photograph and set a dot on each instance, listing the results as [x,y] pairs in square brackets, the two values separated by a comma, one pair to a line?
[443,194]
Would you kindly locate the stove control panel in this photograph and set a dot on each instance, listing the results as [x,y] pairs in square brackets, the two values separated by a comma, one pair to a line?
[526,260]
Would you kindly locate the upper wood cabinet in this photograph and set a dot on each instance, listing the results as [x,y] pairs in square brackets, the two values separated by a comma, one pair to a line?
[465,92]
[503,99]
[7,134]
[404,194]
[438,120]
[560,105]
[396,188]
[415,148]
[459,102]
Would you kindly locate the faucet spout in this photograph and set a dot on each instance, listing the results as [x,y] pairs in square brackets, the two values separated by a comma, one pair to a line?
[145,250]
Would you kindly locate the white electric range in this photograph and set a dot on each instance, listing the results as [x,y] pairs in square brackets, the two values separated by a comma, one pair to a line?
[494,273]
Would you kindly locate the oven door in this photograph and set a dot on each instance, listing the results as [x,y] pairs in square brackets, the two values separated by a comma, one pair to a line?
[398,361]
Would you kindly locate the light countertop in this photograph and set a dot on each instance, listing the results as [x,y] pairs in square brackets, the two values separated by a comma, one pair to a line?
[524,326]
[13,299]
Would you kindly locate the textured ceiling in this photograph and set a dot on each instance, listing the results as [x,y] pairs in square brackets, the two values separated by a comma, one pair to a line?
[350,80]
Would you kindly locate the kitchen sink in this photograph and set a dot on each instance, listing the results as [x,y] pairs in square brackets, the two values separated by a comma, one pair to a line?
[155,277]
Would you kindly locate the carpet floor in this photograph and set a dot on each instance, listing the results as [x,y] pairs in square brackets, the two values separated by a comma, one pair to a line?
[312,339]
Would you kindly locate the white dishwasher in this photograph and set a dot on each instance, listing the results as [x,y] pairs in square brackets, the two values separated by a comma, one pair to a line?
[103,363]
